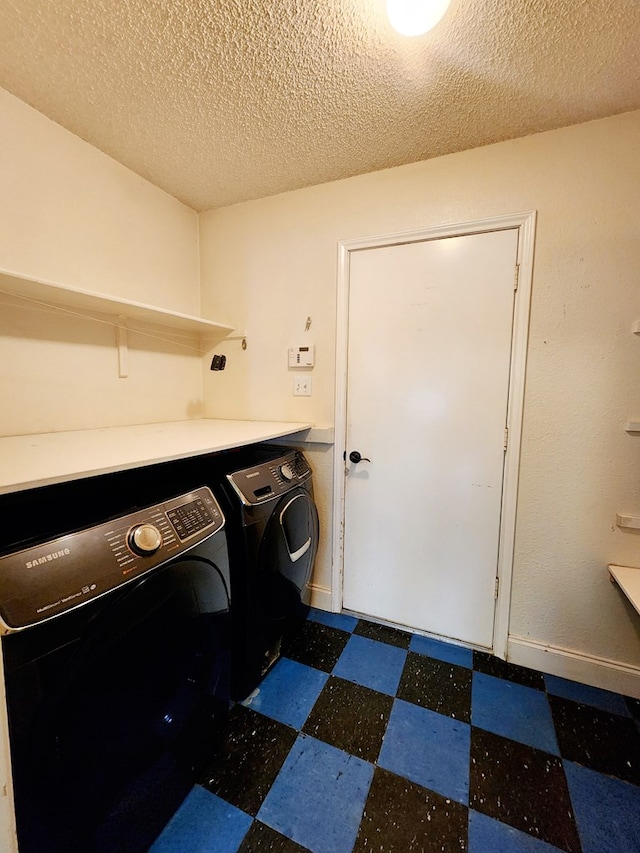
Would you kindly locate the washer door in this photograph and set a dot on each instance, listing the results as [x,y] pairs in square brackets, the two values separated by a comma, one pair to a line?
[132,715]
[287,553]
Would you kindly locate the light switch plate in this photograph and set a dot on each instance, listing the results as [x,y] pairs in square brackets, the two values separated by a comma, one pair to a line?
[302,386]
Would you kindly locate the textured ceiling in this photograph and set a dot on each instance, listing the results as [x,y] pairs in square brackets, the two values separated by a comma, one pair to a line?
[219,101]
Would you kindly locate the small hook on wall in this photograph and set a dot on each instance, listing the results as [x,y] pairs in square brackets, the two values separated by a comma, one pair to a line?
[307,325]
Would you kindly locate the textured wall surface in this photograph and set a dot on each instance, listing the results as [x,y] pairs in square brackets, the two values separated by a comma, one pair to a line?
[72,215]
[219,101]
[273,262]
[75,216]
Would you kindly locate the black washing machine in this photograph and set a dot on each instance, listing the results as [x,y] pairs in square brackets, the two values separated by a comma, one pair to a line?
[116,647]
[266,493]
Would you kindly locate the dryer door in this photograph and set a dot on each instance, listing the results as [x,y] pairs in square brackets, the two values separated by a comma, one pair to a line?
[128,716]
[287,553]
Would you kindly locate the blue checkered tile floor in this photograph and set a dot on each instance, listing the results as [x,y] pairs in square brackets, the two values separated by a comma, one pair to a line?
[364,738]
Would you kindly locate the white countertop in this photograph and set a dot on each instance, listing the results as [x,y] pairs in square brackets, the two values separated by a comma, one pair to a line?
[628,579]
[27,461]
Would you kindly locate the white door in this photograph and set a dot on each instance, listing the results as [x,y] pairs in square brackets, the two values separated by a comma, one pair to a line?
[429,351]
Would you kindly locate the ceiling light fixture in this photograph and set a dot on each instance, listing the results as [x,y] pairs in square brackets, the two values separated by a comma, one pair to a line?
[415,17]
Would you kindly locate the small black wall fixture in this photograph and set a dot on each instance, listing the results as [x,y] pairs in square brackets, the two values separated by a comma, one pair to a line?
[218,362]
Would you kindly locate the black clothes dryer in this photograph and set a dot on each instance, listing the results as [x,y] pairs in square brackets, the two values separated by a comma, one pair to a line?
[116,652]
[266,493]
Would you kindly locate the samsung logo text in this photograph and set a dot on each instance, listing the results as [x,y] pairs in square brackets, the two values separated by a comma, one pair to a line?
[48,558]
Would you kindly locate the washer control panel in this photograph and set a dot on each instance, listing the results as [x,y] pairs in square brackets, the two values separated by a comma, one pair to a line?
[48,579]
[270,479]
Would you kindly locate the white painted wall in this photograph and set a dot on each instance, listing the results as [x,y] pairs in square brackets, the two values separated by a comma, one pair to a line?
[71,214]
[271,263]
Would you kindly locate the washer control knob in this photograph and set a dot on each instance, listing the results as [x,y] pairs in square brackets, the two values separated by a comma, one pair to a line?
[287,471]
[144,539]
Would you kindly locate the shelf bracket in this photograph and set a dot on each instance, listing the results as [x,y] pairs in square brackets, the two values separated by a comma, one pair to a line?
[241,337]
[122,340]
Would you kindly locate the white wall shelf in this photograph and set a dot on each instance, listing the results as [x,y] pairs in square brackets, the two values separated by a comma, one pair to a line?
[630,521]
[64,296]
[628,579]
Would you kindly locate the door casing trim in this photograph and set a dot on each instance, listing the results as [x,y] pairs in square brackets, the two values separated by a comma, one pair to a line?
[525,222]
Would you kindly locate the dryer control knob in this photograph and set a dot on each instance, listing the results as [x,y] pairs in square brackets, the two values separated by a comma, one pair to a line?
[287,471]
[145,539]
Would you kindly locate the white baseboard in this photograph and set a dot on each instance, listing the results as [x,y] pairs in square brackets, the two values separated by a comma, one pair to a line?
[576,666]
[321,598]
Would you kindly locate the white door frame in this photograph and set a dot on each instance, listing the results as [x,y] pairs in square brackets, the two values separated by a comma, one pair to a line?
[525,222]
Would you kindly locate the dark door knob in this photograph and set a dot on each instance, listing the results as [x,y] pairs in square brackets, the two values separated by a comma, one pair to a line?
[355,456]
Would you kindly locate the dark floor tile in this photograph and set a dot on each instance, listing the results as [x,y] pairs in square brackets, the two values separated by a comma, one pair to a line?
[401,817]
[254,750]
[491,665]
[352,717]
[383,633]
[316,645]
[523,787]
[262,839]
[437,685]
[597,739]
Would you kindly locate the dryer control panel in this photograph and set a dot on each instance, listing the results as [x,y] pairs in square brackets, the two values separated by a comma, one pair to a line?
[45,580]
[270,479]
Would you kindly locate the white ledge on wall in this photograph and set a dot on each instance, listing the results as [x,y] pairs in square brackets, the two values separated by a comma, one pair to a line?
[28,461]
[628,579]
[63,296]
[632,522]
[312,435]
